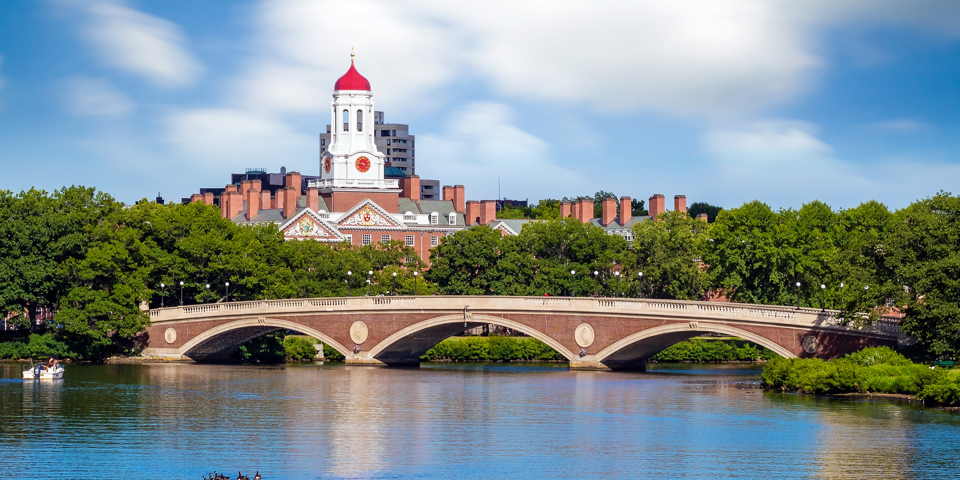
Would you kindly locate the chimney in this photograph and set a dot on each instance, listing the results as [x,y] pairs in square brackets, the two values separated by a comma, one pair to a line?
[293,180]
[253,203]
[564,209]
[411,187]
[244,187]
[196,197]
[488,211]
[278,198]
[657,206]
[290,200]
[586,210]
[626,210]
[680,203]
[448,193]
[313,199]
[256,185]
[472,212]
[224,204]
[609,211]
[702,216]
[231,188]
[234,204]
[265,199]
[459,196]
[208,198]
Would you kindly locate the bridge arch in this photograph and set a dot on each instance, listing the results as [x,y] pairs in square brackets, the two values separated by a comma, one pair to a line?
[219,342]
[406,345]
[634,350]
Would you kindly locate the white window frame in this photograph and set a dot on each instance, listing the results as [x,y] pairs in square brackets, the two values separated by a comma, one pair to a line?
[348,239]
[434,240]
[453,219]
[384,238]
[366,239]
[410,240]
[434,218]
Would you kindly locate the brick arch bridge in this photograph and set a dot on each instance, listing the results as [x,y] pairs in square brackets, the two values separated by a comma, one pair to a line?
[590,332]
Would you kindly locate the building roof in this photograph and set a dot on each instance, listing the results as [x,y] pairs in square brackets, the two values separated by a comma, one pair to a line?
[389,172]
[615,224]
[352,80]
[513,224]
[444,208]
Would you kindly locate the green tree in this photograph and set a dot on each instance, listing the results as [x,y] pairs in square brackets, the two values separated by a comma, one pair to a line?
[702,207]
[922,248]
[669,253]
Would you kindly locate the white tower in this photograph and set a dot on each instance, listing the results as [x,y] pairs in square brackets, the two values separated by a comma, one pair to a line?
[352,159]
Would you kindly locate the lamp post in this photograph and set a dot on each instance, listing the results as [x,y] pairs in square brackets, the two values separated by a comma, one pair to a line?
[370,283]
[208,288]
[798,295]
[416,287]
[617,274]
[163,293]
[823,301]
[181,293]
[596,278]
[841,295]
[573,275]
[394,283]
[640,284]
[349,275]
[226,289]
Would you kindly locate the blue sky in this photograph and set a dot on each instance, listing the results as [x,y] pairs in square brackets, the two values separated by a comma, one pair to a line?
[724,101]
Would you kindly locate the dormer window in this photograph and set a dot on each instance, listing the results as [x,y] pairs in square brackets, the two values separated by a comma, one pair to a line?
[434,218]
[453,219]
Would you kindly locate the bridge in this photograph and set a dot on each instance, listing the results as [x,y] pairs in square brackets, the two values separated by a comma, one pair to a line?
[591,333]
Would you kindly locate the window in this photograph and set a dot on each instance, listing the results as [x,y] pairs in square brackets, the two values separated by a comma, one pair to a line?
[323,141]
[384,133]
[434,240]
[388,151]
[346,121]
[348,239]
[359,120]
[453,219]
[393,133]
[366,239]
[323,150]
[410,240]
[384,238]
[388,142]
[434,218]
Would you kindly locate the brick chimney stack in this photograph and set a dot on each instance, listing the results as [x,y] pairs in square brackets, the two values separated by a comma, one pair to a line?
[565,210]
[448,193]
[488,211]
[586,210]
[702,216]
[313,199]
[253,203]
[626,210]
[459,197]
[473,212]
[278,198]
[244,188]
[411,188]
[234,204]
[290,201]
[196,197]
[609,206]
[293,181]
[680,203]
[657,206]
[265,199]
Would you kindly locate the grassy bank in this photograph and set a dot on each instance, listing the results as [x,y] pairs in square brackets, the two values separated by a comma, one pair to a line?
[872,370]
[702,350]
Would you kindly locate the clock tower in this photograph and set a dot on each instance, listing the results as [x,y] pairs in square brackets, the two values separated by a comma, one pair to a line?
[352,158]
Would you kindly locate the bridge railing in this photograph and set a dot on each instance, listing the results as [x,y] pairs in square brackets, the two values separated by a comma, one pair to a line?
[676,309]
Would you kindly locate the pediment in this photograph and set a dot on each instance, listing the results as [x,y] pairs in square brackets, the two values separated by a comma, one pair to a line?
[308,225]
[368,214]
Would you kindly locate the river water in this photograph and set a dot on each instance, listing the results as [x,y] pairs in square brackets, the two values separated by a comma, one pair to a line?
[180,421]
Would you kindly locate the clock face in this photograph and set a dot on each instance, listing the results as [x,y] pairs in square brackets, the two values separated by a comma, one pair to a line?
[363,164]
[326,164]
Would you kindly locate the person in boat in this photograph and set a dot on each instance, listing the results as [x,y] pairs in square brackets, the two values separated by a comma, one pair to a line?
[52,364]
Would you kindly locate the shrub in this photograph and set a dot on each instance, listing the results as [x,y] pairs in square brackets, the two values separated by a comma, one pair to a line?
[299,348]
[701,350]
[491,349]
[331,354]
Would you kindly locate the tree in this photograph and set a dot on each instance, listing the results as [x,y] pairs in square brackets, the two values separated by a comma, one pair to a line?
[636,206]
[668,252]
[466,262]
[703,207]
[922,248]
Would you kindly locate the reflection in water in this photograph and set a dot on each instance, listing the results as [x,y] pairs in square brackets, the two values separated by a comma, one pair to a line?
[443,421]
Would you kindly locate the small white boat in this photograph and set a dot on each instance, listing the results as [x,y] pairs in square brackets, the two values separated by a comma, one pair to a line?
[42,372]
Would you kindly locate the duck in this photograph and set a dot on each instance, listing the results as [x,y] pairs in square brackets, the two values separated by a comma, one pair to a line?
[257,476]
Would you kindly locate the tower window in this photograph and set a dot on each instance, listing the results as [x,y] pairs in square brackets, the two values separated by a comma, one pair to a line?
[359,120]
[346,121]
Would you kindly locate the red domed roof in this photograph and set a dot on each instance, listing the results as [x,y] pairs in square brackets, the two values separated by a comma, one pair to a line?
[352,80]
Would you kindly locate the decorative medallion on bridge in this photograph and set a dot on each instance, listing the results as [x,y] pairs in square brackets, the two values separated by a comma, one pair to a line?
[170,335]
[811,344]
[584,335]
[358,332]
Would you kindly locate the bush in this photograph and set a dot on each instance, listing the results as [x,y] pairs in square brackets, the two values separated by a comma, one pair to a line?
[299,348]
[331,354]
[701,350]
[37,345]
[491,349]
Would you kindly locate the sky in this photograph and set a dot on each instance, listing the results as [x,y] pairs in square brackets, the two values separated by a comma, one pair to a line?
[724,101]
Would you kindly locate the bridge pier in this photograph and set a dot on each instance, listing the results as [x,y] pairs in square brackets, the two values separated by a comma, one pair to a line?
[362,359]
[587,362]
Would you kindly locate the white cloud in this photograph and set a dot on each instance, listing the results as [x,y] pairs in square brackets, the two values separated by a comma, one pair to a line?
[95,96]
[140,44]
[222,139]
[772,141]
[480,144]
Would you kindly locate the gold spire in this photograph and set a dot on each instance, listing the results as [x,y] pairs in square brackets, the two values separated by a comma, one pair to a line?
[351,54]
